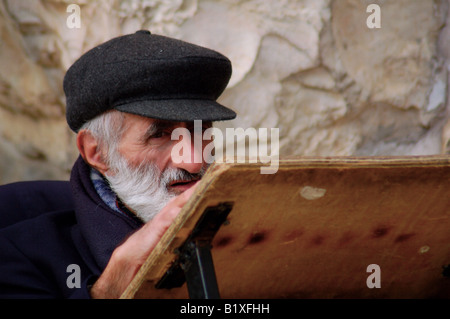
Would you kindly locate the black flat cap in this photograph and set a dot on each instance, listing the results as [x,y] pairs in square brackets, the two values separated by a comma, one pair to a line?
[149,75]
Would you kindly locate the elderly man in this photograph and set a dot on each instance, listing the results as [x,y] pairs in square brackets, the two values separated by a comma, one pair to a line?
[124,98]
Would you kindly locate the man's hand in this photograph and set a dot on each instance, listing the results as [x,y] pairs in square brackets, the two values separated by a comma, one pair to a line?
[129,257]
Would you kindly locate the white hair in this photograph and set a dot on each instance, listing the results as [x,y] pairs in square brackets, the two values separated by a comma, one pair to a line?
[107,128]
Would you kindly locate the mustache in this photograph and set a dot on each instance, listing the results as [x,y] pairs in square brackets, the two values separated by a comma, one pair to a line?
[177,175]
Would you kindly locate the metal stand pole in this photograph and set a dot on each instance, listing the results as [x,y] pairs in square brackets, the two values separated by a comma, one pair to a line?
[195,263]
[199,271]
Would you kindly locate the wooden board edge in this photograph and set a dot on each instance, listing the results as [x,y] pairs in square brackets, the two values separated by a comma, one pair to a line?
[353,161]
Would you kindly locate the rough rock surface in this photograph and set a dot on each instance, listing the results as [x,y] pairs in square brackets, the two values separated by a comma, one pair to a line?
[312,68]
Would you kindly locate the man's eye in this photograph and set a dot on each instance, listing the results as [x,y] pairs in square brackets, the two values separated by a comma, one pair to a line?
[159,134]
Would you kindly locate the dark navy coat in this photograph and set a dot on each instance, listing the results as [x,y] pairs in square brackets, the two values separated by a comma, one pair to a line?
[47,227]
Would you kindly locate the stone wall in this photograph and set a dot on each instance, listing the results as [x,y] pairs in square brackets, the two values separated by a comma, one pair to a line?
[312,68]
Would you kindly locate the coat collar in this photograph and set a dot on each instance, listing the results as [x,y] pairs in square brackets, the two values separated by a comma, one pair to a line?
[102,228]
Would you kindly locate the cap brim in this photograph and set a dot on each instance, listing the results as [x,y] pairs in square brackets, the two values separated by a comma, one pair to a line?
[179,110]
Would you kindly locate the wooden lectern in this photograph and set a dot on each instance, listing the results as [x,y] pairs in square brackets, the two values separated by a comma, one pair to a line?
[317,228]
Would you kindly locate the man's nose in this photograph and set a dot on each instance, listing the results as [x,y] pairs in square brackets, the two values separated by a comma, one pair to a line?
[189,153]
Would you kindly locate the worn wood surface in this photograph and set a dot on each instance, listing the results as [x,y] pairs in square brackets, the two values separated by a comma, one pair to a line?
[312,229]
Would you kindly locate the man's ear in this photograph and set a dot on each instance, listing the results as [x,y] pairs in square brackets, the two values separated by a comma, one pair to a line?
[90,151]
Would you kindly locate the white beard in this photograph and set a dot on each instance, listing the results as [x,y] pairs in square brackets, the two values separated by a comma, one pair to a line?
[144,189]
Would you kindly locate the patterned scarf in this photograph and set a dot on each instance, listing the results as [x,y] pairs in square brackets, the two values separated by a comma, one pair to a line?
[110,198]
